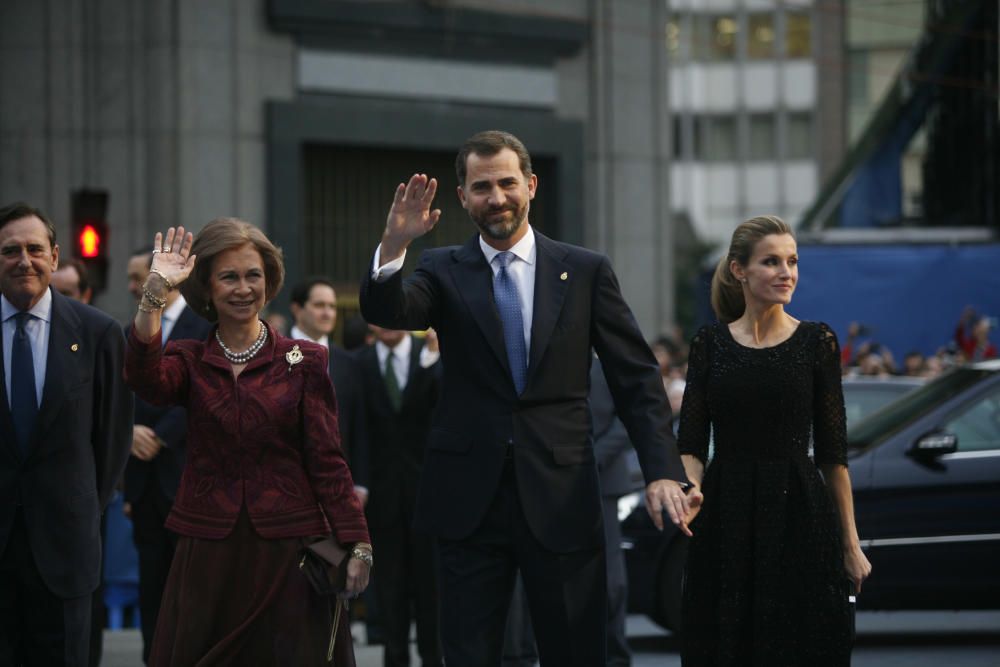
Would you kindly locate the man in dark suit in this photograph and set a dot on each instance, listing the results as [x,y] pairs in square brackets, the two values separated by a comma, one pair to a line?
[65,427]
[154,469]
[614,460]
[314,308]
[401,378]
[510,481]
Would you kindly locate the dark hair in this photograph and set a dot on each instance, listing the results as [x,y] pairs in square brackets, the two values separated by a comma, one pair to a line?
[727,293]
[355,332]
[300,293]
[20,209]
[218,236]
[487,144]
[81,270]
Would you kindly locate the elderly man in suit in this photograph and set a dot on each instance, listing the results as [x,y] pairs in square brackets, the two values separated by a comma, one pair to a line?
[510,481]
[154,469]
[66,425]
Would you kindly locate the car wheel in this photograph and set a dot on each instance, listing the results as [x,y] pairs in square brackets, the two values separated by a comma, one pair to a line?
[668,603]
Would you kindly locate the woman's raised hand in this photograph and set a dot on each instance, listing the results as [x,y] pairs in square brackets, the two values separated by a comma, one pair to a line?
[172,257]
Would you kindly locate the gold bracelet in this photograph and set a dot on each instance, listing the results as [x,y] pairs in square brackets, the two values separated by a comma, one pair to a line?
[166,281]
[148,309]
[363,555]
[155,301]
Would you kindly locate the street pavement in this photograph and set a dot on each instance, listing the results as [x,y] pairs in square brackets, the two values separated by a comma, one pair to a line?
[885,639]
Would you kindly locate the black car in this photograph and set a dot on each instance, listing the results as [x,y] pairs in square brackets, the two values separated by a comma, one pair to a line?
[926,475]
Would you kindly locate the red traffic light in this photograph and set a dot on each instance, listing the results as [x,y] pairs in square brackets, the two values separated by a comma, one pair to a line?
[89,242]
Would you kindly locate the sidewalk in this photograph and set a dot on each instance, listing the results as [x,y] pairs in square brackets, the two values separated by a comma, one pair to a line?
[123,648]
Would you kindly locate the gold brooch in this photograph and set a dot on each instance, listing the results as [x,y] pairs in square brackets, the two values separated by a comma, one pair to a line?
[293,357]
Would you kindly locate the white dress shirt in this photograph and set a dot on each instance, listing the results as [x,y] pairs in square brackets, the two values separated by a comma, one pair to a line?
[169,318]
[37,328]
[400,359]
[299,334]
[521,270]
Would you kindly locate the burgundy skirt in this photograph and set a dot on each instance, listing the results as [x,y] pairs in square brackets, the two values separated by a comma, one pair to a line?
[242,601]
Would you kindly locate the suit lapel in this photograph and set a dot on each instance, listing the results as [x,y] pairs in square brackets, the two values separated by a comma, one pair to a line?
[59,364]
[381,394]
[552,278]
[474,281]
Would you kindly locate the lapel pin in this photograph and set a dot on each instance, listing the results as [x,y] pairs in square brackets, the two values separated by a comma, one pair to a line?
[293,357]
[74,347]
[563,276]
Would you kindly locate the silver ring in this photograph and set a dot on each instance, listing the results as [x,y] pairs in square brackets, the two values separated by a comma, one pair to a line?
[156,250]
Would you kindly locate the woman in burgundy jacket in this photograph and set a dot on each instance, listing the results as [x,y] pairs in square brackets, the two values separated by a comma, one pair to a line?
[264,464]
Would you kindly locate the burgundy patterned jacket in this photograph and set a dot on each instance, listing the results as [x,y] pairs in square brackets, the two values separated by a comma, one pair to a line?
[267,439]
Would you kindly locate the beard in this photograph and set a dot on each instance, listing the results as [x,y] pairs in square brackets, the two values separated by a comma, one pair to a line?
[503,229]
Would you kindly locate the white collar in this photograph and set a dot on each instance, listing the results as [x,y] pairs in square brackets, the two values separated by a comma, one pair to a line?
[42,310]
[299,334]
[523,249]
[174,310]
[401,351]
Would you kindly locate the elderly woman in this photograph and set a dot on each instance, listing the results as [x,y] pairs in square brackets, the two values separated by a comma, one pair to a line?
[264,465]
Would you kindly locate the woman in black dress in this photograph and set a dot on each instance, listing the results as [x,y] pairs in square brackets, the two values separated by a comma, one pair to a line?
[775,551]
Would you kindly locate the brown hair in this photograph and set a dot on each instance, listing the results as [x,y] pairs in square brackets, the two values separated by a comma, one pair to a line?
[218,236]
[19,210]
[488,144]
[727,293]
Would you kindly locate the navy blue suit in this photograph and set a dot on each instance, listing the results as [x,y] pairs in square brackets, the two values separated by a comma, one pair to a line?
[51,499]
[510,481]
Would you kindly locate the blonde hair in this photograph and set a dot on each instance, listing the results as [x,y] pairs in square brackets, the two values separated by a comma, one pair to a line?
[218,236]
[727,293]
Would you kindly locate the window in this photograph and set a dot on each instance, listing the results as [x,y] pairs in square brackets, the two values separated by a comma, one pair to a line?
[978,427]
[715,37]
[719,138]
[673,35]
[760,37]
[762,135]
[798,35]
[800,136]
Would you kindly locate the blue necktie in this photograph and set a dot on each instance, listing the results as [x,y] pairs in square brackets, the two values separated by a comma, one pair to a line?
[23,400]
[509,307]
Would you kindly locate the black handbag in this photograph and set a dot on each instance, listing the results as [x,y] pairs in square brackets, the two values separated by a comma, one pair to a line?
[324,564]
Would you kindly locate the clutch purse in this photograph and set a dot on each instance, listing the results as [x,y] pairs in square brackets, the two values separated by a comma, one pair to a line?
[324,563]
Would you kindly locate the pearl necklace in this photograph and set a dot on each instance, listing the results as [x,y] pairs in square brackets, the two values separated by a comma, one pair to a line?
[249,353]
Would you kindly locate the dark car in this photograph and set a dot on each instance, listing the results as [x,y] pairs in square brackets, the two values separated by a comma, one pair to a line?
[655,561]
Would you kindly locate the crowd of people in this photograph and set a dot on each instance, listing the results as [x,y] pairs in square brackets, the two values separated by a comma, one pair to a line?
[862,355]
[477,463]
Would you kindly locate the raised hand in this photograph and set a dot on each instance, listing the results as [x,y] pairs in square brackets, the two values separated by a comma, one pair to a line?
[172,256]
[410,216]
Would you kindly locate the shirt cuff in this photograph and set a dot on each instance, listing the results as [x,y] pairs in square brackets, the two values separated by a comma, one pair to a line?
[428,358]
[383,273]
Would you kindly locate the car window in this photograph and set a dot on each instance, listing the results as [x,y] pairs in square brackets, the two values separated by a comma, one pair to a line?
[882,423]
[978,425]
[859,402]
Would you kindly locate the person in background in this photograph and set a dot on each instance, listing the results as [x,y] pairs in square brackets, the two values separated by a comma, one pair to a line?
[972,335]
[775,552]
[401,380]
[264,469]
[357,334]
[71,280]
[65,428]
[314,309]
[154,468]
[914,364]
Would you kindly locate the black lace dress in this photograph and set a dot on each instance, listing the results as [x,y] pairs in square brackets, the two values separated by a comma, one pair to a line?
[765,582]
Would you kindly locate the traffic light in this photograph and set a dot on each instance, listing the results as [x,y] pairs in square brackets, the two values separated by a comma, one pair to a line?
[90,234]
